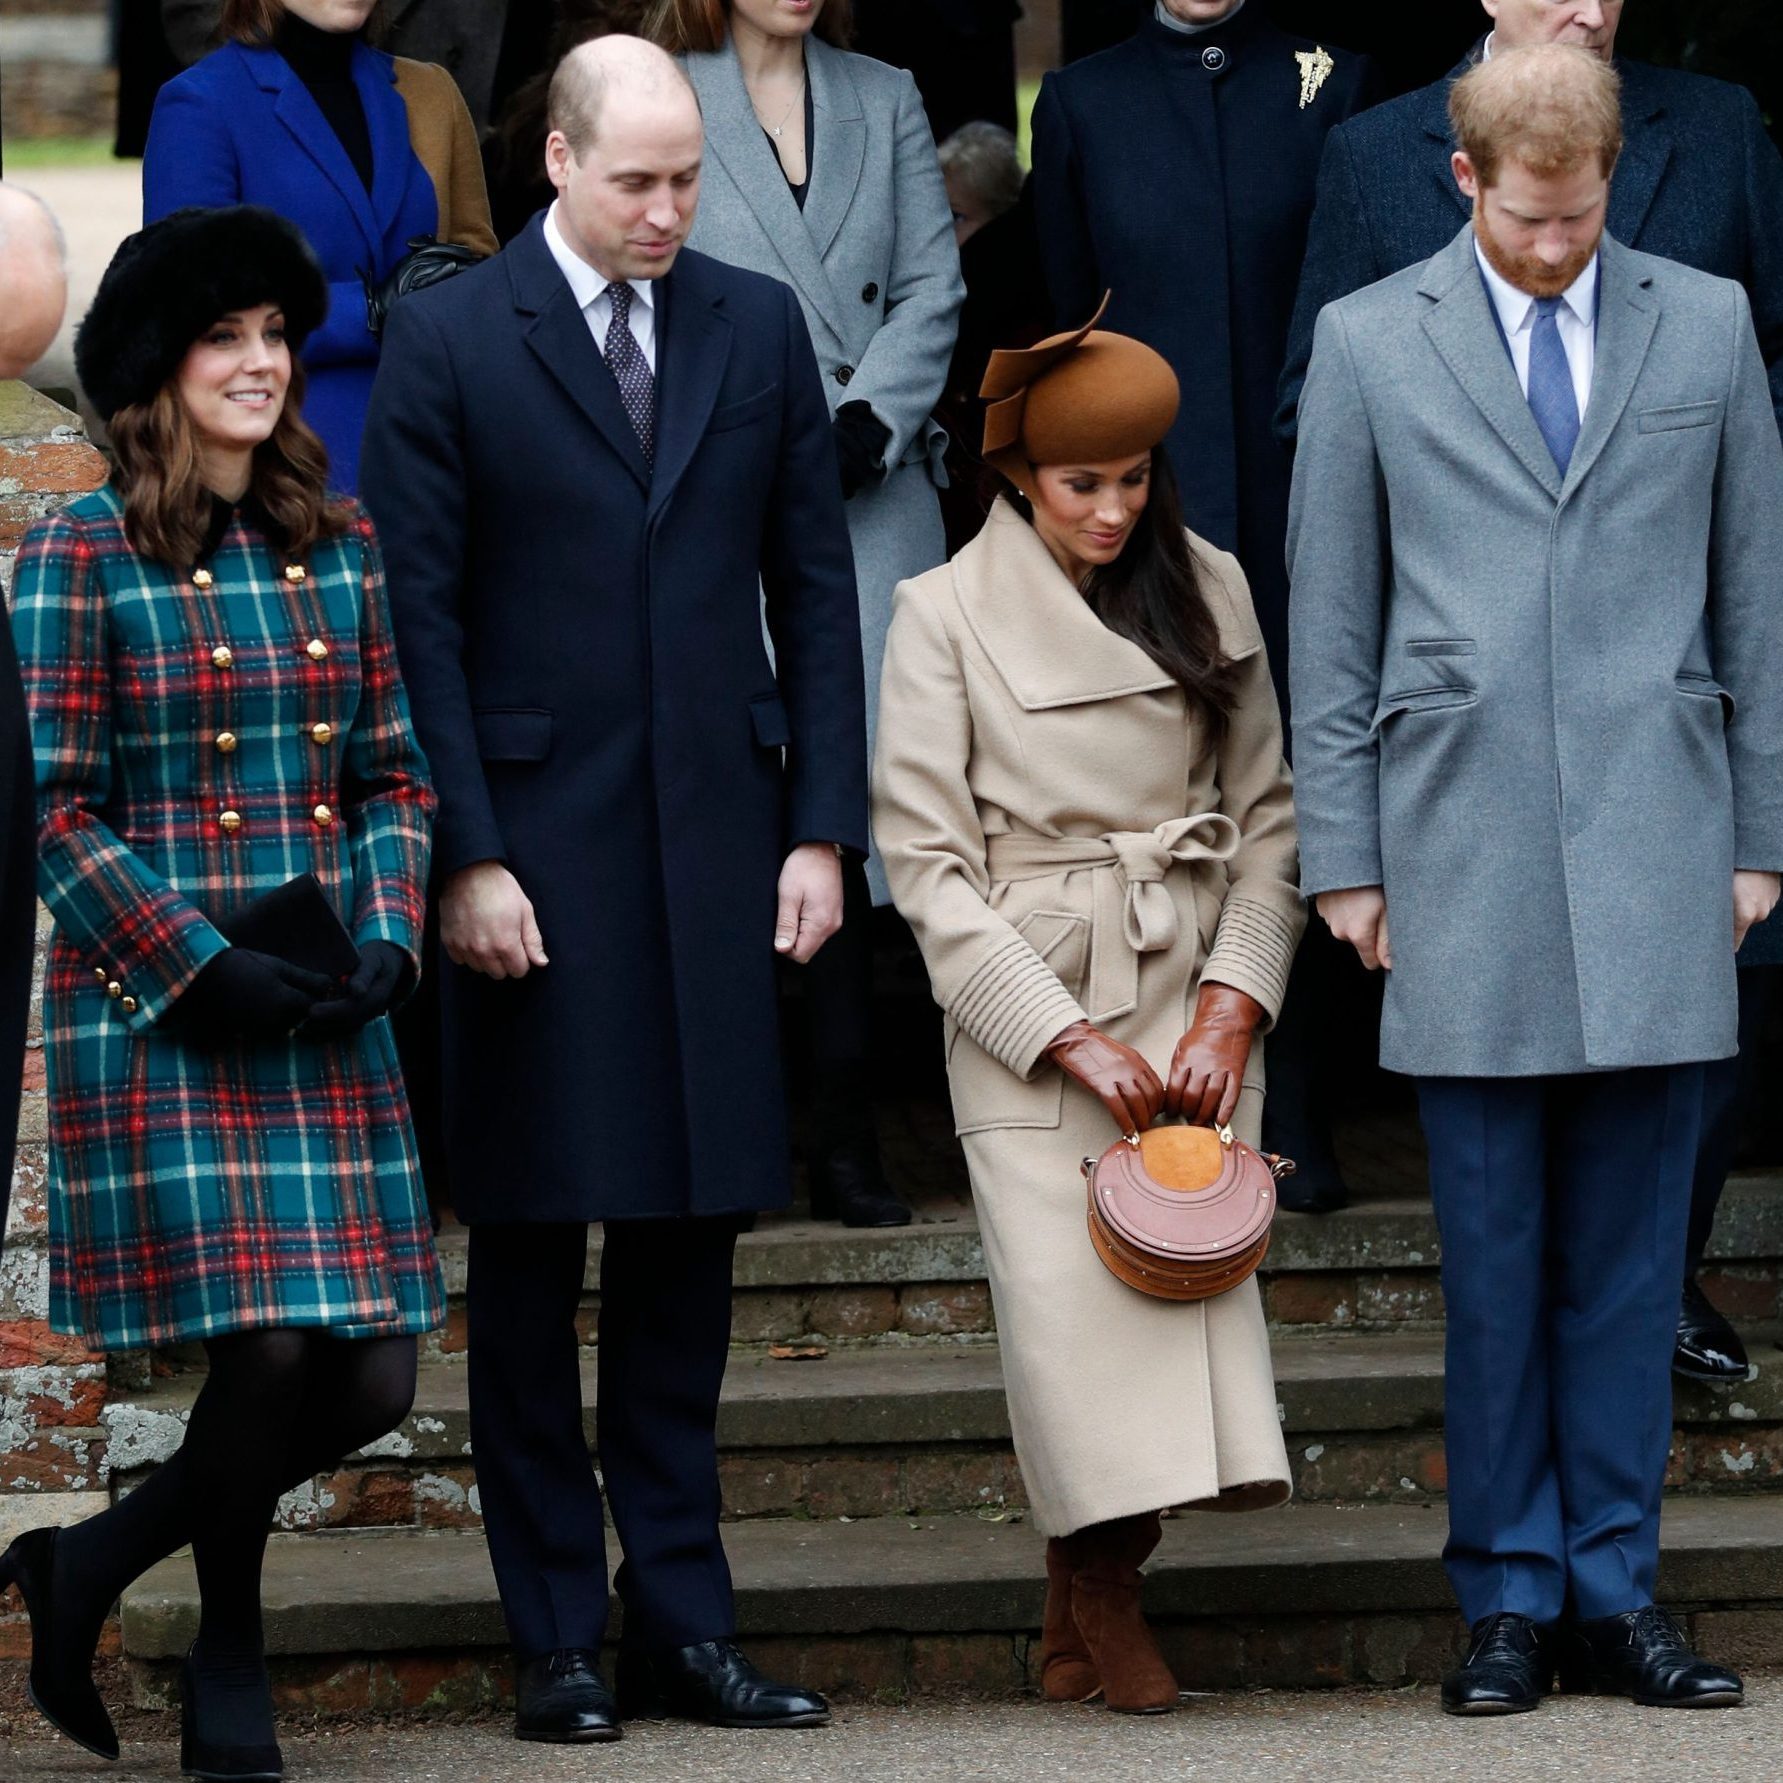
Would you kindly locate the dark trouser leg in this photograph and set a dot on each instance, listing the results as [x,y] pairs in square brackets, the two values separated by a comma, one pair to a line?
[1297,1112]
[1727,1086]
[664,1341]
[1621,1149]
[541,1505]
[1506,1548]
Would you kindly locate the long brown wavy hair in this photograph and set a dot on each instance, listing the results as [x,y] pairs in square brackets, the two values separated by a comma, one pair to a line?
[256,22]
[682,25]
[1152,596]
[167,507]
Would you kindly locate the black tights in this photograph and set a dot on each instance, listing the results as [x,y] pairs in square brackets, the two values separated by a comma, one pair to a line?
[278,1407]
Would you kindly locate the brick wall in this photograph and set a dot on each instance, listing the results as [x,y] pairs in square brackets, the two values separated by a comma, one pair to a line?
[51,1388]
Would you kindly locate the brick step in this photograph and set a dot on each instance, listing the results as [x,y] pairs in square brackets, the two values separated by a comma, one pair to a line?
[1309,1596]
[1372,1266]
[876,1432]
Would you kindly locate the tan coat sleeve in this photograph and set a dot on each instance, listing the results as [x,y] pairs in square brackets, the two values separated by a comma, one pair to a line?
[927,831]
[445,143]
[1264,913]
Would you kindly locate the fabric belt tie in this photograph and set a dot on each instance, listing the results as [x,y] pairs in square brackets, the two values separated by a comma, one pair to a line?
[1132,911]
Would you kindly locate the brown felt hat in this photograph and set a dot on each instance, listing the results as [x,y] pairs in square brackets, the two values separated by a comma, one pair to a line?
[1080,398]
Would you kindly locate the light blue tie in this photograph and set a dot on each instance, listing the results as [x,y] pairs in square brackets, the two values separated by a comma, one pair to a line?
[1552,397]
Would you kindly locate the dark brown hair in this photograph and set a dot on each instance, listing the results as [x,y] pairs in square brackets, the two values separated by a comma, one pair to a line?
[256,22]
[1152,596]
[167,507]
[682,25]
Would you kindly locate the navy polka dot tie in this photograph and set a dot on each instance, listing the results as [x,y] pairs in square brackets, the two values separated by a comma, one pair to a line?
[631,371]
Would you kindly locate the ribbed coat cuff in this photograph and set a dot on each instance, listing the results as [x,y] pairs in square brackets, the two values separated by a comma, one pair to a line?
[1254,947]
[1014,1006]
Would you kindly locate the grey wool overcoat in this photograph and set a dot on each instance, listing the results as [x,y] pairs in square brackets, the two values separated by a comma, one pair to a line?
[1544,713]
[872,261]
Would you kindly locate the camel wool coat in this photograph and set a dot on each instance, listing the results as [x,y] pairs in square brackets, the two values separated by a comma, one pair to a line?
[1069,840]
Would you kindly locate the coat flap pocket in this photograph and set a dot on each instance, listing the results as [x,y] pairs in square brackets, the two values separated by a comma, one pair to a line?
[773,729]
[512,733]
[1061,938]
[1688,414]
[1441,647]
[1422,699]
[740,414]
[1705,687]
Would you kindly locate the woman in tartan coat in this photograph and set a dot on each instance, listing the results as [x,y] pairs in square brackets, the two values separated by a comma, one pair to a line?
[216,710]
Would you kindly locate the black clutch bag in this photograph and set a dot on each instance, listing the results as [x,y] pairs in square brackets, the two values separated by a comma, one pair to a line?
[296,923]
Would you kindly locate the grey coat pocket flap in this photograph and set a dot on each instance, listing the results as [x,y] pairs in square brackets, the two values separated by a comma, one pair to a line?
[1706,687]
[512,733]
[1689,414]
[1422,699]
[773,729]
[1441,647]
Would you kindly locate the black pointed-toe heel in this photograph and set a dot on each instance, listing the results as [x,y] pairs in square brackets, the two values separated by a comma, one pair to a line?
[258,1762]
[63,1695]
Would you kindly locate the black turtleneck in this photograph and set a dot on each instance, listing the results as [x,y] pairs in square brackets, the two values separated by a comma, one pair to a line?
[323,61]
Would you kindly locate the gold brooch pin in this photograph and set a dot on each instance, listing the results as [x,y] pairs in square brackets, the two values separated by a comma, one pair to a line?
[1315,68]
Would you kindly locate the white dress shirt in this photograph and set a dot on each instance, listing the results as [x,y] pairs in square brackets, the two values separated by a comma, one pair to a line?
[1576,319]
[590,288]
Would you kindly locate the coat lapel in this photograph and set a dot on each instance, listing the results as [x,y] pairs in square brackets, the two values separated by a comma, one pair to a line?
[387,120]
[1646,152]
[558,334]
[735,138]
[840,149]
[1048,646]
[1627,317]
[1436,130]
[1463,329]
[693,349]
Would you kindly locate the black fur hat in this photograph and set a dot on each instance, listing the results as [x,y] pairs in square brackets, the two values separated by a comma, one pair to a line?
[169,282]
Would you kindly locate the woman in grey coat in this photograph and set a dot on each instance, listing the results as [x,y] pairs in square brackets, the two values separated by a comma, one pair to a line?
[821,171]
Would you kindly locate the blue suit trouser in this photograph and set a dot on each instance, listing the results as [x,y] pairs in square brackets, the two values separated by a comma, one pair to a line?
[1562,1204]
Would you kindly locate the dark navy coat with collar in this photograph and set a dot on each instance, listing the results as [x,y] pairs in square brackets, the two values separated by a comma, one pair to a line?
[241,128]
[582,641]
[1177,171]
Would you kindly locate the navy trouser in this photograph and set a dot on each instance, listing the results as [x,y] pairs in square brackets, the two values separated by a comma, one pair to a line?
[1562,1203]
[665,1323]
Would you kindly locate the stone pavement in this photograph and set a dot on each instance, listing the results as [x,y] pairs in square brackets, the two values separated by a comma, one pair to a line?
[1333,1737]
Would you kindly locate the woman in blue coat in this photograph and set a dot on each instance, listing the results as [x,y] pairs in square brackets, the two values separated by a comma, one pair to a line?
[298,113]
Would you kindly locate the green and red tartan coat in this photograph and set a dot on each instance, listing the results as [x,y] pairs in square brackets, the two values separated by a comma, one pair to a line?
[201,736]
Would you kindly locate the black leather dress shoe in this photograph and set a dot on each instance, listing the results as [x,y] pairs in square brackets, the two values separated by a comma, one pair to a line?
[1507,1671]
[1643,1654]
[61,1683]
[1708,1348]
[849,1185]
[714,1683]
[564,1701]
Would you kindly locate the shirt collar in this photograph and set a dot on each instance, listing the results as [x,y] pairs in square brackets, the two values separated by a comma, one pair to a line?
[584,281]
[1517,308]
[1171,23]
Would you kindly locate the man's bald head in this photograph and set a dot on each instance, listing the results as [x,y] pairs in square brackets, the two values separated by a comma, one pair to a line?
[608,70]
[33,280]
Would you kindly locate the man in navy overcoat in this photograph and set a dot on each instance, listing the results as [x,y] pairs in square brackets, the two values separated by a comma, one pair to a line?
[589,459]
[1699,182]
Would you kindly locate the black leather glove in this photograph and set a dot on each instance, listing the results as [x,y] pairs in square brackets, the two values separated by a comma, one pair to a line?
[427,262]
[861,439]
[383,967]
[243,995]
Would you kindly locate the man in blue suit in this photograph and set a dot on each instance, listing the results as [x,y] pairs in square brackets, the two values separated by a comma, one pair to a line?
[588,459]
[1699,182]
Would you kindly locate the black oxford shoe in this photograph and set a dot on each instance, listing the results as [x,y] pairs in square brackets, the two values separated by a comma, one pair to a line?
[849,1185]
[61,1680]
[564,1701]
[1507,1670]
[714,1683]
[1642,1654]
[1708,1348]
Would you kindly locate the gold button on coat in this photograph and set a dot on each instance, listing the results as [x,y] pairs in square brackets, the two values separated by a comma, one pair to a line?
[295,572]
[315,649]
[129,1005]
[227,741]
[323,816]
[222,656]
[101,974]
[114,989]
[202,578]
[322,733]
[230,821]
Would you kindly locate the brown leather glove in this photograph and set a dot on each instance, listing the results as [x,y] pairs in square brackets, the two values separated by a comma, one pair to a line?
[1114,1074]
[1207,1072]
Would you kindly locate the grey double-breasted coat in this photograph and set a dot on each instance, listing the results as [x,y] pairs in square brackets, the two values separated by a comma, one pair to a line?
[872,260]
[1543,712]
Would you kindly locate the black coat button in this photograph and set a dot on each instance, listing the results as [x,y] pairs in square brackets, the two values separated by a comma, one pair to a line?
[870,294]
[1213,58]
[844,374]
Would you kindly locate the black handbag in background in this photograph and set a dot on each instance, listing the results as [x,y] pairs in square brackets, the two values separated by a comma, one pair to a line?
[295,922]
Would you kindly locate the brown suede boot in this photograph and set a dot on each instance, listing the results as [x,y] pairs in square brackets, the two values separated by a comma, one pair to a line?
[1066,1672]
[1105,1603]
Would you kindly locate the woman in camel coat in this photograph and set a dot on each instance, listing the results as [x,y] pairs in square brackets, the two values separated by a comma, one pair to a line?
[1094,843]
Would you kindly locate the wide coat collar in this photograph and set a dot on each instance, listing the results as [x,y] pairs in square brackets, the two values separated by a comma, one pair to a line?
[735,138]
[386,119]
[1464,331]
[693,344]
[1039,632]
